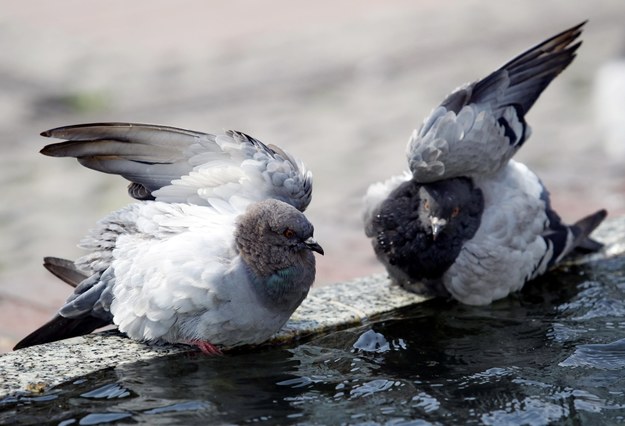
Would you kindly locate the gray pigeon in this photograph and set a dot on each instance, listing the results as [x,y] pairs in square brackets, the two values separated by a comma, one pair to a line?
[217,254]
[467,221]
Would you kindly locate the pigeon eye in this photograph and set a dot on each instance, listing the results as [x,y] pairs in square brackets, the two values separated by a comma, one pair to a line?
[289,233]
[426,205]
[455,212]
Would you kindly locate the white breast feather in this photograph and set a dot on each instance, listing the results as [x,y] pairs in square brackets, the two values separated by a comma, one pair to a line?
[170,267]
[178,278]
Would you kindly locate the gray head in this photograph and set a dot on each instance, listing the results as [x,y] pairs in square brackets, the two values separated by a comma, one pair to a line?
[273,236]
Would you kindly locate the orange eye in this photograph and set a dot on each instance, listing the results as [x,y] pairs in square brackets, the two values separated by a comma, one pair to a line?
[289,233]
[426,205]
[455,212]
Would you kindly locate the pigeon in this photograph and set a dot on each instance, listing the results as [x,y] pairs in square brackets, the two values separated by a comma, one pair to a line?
[467,221]
[217,252]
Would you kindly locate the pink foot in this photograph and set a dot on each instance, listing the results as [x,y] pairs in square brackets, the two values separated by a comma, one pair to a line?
[206,347]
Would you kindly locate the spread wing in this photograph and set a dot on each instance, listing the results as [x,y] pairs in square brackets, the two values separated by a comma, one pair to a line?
[479,127]
[177,165]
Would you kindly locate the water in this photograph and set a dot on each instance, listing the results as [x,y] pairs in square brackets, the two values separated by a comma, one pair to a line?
[553,354]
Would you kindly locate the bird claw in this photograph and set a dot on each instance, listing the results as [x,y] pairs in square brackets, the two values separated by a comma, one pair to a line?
[206,347]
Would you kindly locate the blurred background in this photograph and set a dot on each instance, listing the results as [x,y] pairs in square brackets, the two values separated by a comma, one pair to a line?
[340,84]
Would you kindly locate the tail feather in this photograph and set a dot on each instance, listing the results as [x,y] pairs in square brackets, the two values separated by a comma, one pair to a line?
[59,328]
[584,227]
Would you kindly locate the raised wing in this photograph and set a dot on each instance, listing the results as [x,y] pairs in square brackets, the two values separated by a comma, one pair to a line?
[177,165]
[479,127]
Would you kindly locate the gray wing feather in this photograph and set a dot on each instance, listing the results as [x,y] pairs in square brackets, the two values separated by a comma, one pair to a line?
[480,126]
[523,79]
[92,294]
[92,297]
[147,155]
[155,158]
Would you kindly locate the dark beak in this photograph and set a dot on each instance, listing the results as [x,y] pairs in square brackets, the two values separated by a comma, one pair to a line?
[313,245]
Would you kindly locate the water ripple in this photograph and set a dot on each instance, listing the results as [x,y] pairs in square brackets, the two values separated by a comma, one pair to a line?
[374,386]
[100,418]
[610,356]
[110,391]
[595,300]
[563,333]
[183,406]
[426,402]
[371,341]
[528,411]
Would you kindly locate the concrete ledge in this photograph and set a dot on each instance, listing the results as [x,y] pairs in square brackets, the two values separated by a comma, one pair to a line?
[35,369]
[38,368]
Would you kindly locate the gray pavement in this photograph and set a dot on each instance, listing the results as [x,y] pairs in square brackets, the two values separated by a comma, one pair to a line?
[340,84]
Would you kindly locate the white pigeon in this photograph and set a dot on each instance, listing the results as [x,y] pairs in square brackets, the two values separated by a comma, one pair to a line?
[468,221]
[218,253]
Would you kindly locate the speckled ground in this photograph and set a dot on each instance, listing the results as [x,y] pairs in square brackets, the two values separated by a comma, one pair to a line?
[339,84]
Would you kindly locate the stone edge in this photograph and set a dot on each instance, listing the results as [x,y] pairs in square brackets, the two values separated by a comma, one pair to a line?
[38,368]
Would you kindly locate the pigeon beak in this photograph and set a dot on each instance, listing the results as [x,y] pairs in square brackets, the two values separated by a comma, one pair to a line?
[437,226]
[313,245]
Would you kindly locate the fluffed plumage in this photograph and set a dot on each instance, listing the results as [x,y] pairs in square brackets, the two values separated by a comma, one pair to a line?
[217,253]
[467,220]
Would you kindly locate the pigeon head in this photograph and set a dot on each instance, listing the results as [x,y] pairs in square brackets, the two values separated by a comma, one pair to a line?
[447,205]
[420,228]
[273,236]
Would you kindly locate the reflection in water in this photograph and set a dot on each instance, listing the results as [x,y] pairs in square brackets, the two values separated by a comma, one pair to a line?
[549,354]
